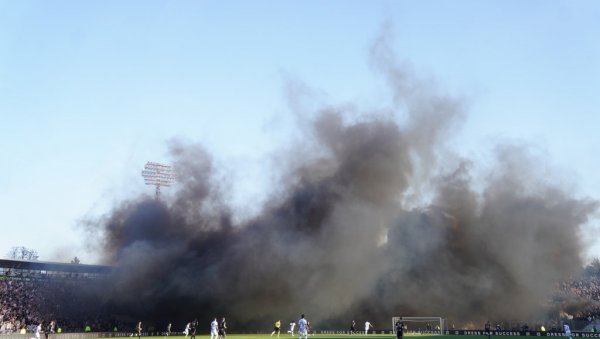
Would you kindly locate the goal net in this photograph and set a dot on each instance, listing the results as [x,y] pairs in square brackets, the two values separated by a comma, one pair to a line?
[430,325]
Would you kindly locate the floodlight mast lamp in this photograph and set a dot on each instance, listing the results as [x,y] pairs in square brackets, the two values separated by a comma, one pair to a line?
[158,175]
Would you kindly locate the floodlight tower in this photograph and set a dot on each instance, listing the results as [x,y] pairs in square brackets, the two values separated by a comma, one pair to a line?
[158,175]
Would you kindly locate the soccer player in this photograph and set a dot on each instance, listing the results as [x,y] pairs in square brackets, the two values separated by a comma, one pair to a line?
[187,329]
[169,329]
[399,329]
[193,329]
[292,325]
[276,328]
[302,328]
[214,329]
[47,330]
[38,329]
[222,328]
[353,327]
[567,331]
[367,327]
[138,329]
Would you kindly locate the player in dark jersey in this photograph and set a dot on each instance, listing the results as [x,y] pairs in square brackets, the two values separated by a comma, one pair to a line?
[193,329]
[47,330]
[353,327]
[222,329]
[399,329]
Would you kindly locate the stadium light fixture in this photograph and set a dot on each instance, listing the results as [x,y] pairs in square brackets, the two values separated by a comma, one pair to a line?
[158,175]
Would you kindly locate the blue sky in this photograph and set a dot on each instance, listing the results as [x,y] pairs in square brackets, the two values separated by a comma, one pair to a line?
[91,90]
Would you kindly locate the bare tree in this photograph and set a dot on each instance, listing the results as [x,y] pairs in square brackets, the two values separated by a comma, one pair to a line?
[23,253]
[75,260]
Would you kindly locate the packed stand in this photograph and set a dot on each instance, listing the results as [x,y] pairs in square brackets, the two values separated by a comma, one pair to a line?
[24,303]
[580,298]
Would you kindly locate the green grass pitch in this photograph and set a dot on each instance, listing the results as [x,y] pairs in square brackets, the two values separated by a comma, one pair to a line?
[334,336]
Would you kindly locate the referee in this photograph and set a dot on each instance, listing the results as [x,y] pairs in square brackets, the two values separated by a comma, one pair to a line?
[276,328]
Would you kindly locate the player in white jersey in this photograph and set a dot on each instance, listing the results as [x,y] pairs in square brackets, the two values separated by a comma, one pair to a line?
[302,328]
[367,327]
[214,329]
[38,329]
[567,331]
[138,329]
[292,325]
[187,329]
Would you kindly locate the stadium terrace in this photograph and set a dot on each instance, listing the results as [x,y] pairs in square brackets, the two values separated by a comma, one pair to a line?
[44,269]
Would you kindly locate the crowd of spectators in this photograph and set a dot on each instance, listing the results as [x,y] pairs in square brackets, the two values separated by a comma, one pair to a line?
[581,298]
[15,306]
[24,303]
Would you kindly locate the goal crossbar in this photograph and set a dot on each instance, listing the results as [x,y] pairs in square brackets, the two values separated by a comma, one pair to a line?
[437,324]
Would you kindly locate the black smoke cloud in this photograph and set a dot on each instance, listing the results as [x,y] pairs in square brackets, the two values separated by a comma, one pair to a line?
[369,221]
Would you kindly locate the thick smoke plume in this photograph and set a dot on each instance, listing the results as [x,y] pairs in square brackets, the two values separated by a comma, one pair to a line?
[369,222]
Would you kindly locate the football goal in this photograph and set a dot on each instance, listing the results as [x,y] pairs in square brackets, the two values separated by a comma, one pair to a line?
[431,325]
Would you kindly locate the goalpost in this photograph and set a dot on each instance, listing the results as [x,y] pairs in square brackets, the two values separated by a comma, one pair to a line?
[433,325]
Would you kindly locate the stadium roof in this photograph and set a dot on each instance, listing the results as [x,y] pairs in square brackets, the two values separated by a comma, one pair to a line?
[54,266]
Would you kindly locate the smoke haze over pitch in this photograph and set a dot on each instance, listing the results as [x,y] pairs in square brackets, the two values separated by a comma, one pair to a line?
[374,215]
